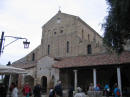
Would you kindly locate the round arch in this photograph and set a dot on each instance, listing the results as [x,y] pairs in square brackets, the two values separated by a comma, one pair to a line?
[30,80]
[44,84]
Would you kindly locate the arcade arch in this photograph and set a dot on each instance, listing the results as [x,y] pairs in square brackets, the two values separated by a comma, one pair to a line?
[30,80]
[44,84]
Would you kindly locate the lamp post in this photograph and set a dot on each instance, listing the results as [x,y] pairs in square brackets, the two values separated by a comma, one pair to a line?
[2,46]
[1,41]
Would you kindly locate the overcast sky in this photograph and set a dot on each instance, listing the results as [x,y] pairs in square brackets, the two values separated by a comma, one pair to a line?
[24,18]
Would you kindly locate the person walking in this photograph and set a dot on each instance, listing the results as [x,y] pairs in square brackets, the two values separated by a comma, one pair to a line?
[37,90]
[14,91]
[26,90]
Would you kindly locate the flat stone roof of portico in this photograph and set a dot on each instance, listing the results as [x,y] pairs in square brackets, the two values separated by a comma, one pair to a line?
[94,60]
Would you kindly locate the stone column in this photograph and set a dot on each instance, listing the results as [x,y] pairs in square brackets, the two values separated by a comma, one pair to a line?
[94,77]
[75,80]
[119,78]
[22,80]
[36,73]
[19,81]
[57,76]
[10,80]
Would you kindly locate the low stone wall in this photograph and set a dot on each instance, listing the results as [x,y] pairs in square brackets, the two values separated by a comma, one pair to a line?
[95,93]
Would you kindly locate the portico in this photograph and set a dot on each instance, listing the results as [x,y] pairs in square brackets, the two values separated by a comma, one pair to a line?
[80,75]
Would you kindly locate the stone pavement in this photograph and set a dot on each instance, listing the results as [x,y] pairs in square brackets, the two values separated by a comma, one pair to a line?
[47,96]
[20,95]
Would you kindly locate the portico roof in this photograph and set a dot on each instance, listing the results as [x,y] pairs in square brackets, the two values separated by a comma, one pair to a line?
[94,60]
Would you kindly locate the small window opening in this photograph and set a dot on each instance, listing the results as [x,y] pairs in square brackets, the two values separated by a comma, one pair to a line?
[48,49]
[89,49]
[67,46]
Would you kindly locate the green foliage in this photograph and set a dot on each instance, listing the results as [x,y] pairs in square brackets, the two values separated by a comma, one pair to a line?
[117,24]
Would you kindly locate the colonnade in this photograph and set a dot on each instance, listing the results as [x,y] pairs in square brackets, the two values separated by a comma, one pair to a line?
[95,78]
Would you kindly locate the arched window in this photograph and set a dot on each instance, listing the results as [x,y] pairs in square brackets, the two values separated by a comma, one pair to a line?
[33,57]
[44,84]
[67,49]
[89,49]
[48,50]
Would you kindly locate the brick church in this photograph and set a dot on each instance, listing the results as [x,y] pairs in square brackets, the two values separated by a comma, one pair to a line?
[73,52]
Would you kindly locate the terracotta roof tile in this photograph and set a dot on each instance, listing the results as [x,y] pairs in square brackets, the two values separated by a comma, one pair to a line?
[93,60]
[24,65]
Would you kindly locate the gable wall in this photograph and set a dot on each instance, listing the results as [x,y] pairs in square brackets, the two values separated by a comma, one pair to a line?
[72,31]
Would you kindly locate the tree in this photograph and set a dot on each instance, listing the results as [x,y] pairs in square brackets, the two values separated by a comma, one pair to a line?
[117,24]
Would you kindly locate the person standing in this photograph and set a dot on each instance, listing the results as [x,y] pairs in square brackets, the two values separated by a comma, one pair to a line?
[106,90]
[91,87]
[58,89]
[97,88]
[80,93]
[37,90]
[11,87]
[26,90]
[52,93]
[14,91]
[70,92]
[2,90]
[116,91]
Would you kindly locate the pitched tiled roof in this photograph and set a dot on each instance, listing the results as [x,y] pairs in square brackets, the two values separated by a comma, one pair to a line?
[24,65]
[94,60]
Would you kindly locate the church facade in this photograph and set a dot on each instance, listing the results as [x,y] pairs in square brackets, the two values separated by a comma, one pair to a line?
[73,52]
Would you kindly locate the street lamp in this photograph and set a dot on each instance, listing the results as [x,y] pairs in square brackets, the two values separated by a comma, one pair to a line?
[2,46]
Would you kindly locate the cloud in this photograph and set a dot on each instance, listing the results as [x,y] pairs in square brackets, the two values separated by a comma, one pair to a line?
[24,18]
